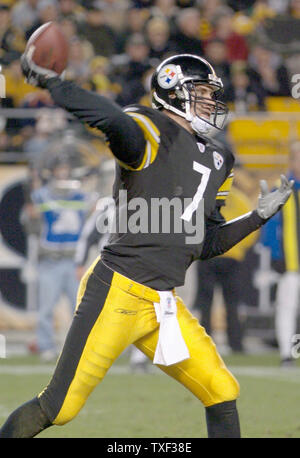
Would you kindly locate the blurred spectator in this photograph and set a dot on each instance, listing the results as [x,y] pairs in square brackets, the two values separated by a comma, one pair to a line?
[209,12]
[142,3]
[246,94]
[267,68]
[11,39]
[135,19]
[225,271]
[241,4]
[216,54]
[133,69]
[136,56]
[187,38]
[165,9]
[69,28]
[186,3]
[294,8]
[97,32]
[57,213]
[281,235]
[146,99]
[99,80]
[158,37]
[48,122]
[284,43]
[114,13]
[69,9]
[99,74]
[264,9]
[80,54]
[292,63]
[47,11]
[25,14]
[35,99]
[237,48]
[16,87]
[278,6]
[9,143]
[248,21]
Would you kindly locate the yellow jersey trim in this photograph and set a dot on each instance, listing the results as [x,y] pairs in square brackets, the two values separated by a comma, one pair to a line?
[224,190]
[152,137]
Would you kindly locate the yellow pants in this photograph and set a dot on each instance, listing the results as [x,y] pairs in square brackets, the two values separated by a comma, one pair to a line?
[112,313]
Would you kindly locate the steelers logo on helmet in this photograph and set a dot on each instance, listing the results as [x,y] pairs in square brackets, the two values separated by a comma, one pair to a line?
[167,76]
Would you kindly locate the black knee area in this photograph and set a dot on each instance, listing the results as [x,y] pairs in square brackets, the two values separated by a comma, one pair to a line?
[223,420]
[26,421]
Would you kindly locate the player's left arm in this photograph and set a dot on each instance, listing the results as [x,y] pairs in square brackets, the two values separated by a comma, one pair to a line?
[222,235]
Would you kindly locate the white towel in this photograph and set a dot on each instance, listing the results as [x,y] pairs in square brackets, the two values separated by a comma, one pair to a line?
[171,347]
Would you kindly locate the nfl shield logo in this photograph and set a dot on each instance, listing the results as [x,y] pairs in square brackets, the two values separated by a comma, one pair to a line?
[201,147]
[218,160]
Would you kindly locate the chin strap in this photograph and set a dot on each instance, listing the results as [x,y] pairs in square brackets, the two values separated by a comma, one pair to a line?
[199,125]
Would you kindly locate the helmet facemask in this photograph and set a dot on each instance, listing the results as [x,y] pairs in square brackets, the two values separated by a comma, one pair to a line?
[176,90]
[202,112]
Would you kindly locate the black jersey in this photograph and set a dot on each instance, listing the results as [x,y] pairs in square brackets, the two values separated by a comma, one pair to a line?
[159,159]
[178,168]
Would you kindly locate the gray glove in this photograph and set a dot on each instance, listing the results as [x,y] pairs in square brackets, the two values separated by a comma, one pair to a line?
[35,75]
[270,202]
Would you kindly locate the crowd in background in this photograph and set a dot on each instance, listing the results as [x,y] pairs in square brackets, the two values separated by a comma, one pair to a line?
[116,44]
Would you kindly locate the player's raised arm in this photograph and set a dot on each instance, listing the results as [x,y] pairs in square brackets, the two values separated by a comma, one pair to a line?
[221,235]
[125,137]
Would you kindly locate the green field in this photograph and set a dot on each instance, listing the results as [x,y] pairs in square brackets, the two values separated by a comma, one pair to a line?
[154,406]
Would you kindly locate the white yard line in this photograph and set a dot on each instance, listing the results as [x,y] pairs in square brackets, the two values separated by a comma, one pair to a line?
[6,369]
[284,375]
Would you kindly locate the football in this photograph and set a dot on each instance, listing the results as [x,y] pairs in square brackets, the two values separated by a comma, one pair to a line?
[48,47]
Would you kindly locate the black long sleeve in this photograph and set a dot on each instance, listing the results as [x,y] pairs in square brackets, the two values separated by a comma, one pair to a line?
[221,235]
[125,137]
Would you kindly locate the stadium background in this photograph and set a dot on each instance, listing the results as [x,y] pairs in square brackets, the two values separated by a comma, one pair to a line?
[115,45]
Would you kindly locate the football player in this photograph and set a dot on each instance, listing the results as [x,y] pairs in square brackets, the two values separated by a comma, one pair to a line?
[128,296]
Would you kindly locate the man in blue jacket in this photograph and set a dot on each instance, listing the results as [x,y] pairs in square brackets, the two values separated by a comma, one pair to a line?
[282,235]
